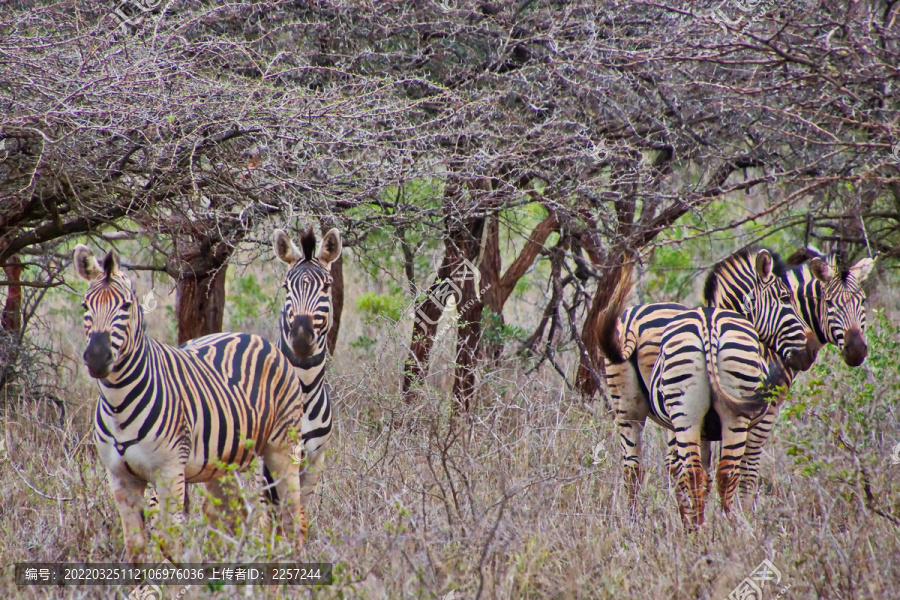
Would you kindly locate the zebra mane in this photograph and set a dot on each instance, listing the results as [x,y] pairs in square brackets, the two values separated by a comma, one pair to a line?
[803,255]
[308,243]
[744,255]
[110,266]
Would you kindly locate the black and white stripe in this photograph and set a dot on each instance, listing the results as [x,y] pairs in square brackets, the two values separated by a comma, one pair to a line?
[833,304]
[305,321]
[631,343]
[170,416]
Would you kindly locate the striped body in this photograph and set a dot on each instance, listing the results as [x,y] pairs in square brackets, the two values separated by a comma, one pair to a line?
[708,376]
[303,329]
[171,416]
[631,343]
[195,407]
[833,304]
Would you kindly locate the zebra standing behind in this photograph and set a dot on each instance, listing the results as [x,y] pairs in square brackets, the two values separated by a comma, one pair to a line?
[833,304]
[630,340]
[171,416]
[304,325]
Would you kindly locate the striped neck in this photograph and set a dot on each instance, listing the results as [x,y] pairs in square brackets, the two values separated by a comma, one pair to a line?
[131,372]
[808,292]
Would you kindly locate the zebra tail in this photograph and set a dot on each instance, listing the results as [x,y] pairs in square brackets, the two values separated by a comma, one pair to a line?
[608,336]
[271,492]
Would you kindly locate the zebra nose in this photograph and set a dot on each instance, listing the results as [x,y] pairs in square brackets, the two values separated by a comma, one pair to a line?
[303,336]
[855,349]
[98,356]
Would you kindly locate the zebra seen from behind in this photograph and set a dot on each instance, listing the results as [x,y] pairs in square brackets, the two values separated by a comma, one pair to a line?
[306,318]
[709,380]
[170,416]
[630,340]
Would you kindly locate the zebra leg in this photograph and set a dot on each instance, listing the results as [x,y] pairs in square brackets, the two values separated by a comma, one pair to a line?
[172,492]
[671,460]
[705,458]
[692,483]
[734,439]
[631,410]
[286,475]
[749,469]
[129,497]
[224,505]
[309,475]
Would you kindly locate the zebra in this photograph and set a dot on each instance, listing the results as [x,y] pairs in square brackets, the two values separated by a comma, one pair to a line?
[303,330]
[833,304]
[630,341]
[693,369]
[709,379]
[171,416]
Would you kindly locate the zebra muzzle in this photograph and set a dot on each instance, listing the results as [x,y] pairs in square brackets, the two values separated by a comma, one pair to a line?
[98,356]
[303,337]
[854,350]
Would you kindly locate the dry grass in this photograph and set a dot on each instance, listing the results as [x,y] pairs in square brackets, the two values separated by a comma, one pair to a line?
[517,501]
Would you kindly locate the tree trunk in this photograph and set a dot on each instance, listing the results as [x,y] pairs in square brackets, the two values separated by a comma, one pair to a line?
[489,268]
[467,344]
[425,320]
[200,304]
[11,320]
[337,302]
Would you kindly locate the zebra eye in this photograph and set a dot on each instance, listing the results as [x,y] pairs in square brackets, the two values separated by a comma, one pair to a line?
[126,306]
[84,305]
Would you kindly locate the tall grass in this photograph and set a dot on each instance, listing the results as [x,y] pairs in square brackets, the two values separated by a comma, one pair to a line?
[520,499]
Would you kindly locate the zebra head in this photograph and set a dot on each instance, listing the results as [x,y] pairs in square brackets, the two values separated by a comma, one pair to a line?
[306,314]
[113,319]
[746,283]
[841,307]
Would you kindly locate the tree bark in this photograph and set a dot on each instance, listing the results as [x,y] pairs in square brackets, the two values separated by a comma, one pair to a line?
[499,289]
[337,302]
[425,320]
[467,344]
[11,319]
[200,304]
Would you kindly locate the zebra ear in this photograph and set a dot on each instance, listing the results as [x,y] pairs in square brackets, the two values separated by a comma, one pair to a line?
[286,251]
[862,269]
[86,265]
[764,265]
[331,247]
[821,270]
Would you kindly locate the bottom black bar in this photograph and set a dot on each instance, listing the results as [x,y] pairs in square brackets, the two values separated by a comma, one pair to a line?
[167,573]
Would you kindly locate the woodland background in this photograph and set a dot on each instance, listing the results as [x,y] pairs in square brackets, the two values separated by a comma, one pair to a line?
[545,142]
